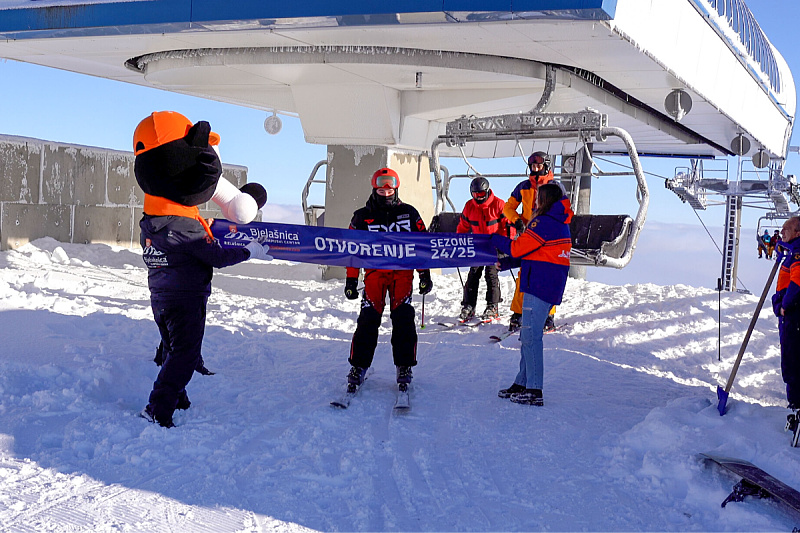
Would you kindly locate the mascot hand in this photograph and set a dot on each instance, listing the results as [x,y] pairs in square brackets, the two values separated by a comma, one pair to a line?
[236,206]
[258,251]
[351,288]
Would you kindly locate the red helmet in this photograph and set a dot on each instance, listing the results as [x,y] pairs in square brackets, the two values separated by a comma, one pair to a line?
[385,178]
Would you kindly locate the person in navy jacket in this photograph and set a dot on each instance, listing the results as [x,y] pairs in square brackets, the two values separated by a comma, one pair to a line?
[786,305]
[543,249]
[177,168]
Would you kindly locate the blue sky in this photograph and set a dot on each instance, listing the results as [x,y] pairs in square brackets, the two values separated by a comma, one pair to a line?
[62,106]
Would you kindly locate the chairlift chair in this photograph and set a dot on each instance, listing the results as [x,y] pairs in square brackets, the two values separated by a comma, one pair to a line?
[597,240]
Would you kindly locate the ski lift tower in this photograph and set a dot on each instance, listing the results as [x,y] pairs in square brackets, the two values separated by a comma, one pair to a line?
[695,184]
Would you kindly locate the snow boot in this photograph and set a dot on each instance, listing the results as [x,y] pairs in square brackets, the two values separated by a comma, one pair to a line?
[513,389]
[149,415]
[516,322]
[183,401]
[467,312]
[490,313]
[549,323]
[528,397]
[404,374]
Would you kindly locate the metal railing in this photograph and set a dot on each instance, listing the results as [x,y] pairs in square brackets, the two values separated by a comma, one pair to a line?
[742,21]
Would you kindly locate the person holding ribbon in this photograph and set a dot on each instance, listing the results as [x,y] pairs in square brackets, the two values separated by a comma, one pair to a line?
[178,169]
[543,249]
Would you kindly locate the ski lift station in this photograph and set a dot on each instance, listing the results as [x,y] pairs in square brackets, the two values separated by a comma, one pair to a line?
[406,83]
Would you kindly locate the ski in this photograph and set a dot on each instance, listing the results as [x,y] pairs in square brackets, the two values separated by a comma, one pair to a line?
[506,334]
[403,401]
[503,336]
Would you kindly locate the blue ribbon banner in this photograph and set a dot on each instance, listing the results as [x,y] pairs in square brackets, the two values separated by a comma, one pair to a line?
[360,249]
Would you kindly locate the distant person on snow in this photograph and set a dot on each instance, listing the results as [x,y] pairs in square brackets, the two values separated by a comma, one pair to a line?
[178,169]
[773,242]
[483,214]
[524,194]
[544,248]
[384,212]
[786,305]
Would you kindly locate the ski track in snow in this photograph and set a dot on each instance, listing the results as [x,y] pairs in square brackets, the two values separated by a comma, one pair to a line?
[629,402]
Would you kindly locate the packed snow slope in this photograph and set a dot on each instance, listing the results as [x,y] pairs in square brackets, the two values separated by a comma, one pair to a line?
[629,402]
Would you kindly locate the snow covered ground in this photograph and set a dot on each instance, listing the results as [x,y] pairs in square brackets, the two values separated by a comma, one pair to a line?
[629,391]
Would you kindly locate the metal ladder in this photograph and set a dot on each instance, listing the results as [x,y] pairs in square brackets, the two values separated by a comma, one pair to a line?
[730,252]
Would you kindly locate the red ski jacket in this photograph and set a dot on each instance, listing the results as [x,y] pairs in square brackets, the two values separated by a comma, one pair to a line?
[485,218]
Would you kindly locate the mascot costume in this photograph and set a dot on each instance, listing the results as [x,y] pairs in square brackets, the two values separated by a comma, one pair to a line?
[178,168]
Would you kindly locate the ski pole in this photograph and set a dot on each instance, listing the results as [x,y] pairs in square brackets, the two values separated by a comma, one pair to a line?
[459,277]
[722,394]
[423,313]
[719,319]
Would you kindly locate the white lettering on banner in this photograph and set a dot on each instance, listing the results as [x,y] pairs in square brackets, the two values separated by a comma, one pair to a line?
[366,250]
[269,236]
[452,247]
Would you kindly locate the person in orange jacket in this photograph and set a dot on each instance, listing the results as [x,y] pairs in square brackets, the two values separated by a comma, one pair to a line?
[482,214]
[524,194]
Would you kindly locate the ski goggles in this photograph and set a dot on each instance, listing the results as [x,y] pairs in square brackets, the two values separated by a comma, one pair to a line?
[536,159]
[387,181]
[480,195]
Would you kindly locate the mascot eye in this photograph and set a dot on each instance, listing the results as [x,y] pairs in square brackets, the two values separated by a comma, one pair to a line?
[139,146]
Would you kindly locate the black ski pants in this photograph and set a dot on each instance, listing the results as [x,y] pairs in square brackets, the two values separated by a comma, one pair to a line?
[378,284]
[473,283]
[181,322]
[789,329]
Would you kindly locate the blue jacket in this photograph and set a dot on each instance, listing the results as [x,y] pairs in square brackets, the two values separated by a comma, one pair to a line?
[787,295]
[180,256]
[544,248]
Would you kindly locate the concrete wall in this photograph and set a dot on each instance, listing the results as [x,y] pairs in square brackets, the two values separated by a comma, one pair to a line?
[74,194]
[349,173]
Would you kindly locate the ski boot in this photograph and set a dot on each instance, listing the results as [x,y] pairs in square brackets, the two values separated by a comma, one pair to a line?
[528,397]
[404,377]
[513,389]
[490,313]
[467,312]
[549,324]
[355,378]
[793,425]
[515,323]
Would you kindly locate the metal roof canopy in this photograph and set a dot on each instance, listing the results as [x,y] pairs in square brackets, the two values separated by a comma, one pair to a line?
[358,73]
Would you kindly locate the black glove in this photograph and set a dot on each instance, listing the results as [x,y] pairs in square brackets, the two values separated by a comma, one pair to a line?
[351,288]
[519,225]
[425,283]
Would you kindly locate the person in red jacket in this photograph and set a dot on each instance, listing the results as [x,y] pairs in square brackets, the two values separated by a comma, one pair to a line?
[384,212]
[482,214]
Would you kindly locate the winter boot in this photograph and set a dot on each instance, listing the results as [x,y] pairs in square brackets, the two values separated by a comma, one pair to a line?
[513,389]
[528,397]
[549,323]
[490,313]
[516,322]
[183,401]
[149,415]
[404,374]
[467,312]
